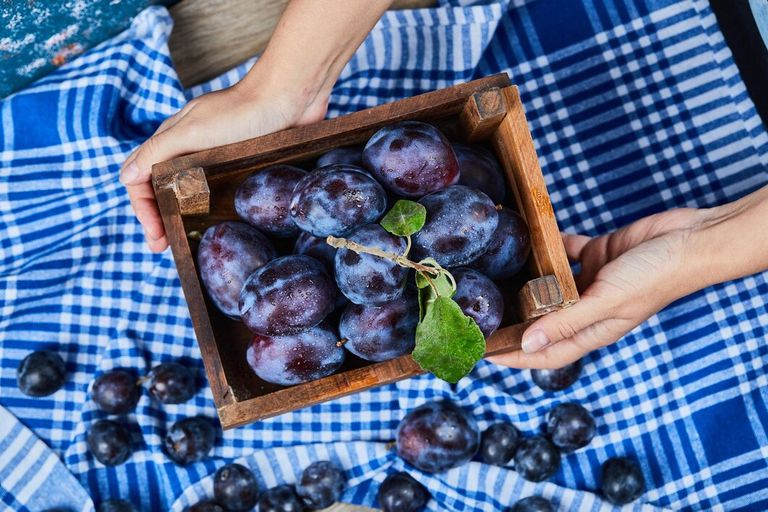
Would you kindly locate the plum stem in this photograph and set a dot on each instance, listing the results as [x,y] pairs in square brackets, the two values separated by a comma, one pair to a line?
[407,247]
[343,243]
[341,342]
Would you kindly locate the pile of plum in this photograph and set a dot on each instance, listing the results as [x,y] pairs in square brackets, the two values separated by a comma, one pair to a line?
[434,437]
[307,308]
[438,436]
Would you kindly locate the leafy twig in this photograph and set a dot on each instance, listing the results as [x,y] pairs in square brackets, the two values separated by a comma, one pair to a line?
[343,243]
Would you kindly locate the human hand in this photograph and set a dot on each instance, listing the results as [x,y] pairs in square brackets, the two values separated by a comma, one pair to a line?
[288,86]
[211,120]
[626,277]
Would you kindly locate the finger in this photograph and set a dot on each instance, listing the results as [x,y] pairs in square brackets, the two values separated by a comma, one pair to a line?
[157,245]
[144,206]
[554,357]
[158,148]
[566,351]
[574,244]
[165,125]
[563,324]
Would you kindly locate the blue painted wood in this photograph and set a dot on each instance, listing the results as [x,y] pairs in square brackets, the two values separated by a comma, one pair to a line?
[36,36]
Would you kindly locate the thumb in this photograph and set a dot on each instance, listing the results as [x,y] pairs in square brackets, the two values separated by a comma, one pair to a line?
[562,325]
[161,146]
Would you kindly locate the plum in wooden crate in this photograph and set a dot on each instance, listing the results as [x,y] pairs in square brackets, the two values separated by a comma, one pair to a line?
[197,191]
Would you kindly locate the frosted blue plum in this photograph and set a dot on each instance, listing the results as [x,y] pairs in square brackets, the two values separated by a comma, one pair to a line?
[411,159]
[479,169]
[264,199]
[286,296]
[293,359]
[459,227]
[380,333]
[509,248]
[230,252]
[317,248]
[367,279]
[336,199]
[349,155]
[437,436]
[479,299]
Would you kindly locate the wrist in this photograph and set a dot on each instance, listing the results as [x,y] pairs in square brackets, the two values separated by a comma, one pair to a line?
[301,96]
[730,241]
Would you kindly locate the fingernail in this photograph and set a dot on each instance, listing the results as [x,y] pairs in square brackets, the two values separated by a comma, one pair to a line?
[535,341]
[130,173]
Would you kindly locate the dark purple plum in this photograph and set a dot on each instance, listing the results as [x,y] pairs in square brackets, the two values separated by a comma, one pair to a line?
[533,504]
[116,391]
[296,358]
[230,252]
[380,333]
[109,442]
[336,199]
[499,443]
[570,426]
[557,379]
[263,200]
[316,247]
[460,225]
[116,506]
[536,459]
[189,440]
[41,373]
[205,506]
[321,485]
[286,296]
[282,498]
[400,492]
[621,480]
[437,436]
[171,383]
[411,159]
[479,299]
[235,487]
[348,155]
[479,169]
[509,248]
[367,279]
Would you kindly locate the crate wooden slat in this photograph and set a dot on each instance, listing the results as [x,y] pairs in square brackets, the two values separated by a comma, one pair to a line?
[196,191]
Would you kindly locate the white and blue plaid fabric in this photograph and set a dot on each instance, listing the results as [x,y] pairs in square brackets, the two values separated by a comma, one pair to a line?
[636,107]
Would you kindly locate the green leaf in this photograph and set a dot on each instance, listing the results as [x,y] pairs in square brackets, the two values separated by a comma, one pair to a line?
[448,343]
[405,218]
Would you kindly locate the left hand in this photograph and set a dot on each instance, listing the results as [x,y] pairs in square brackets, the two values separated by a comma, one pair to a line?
[626,277]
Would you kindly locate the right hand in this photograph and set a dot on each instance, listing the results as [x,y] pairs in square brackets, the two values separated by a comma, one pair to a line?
[231,115]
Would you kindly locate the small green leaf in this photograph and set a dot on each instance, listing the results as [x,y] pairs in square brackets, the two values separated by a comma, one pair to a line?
[405,218]
[448,343]
[441,283]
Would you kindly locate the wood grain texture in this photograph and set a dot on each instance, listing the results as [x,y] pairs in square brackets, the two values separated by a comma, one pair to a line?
[538,297]
[344,507]
[240,396]
[305,142]
[514,147]
[193,293]
[212,36]
[482,114]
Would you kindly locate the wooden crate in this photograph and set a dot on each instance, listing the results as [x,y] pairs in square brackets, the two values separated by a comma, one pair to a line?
[196,191]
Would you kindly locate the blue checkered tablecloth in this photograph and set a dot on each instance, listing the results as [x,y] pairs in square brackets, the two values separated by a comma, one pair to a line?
[635,106]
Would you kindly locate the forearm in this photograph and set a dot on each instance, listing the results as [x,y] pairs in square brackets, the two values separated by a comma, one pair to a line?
[311,44]
[732,240]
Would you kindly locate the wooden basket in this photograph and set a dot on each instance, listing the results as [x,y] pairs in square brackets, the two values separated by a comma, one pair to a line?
[197,190]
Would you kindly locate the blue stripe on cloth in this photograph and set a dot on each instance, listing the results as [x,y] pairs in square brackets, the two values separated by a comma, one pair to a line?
[28,486]
[635,107]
